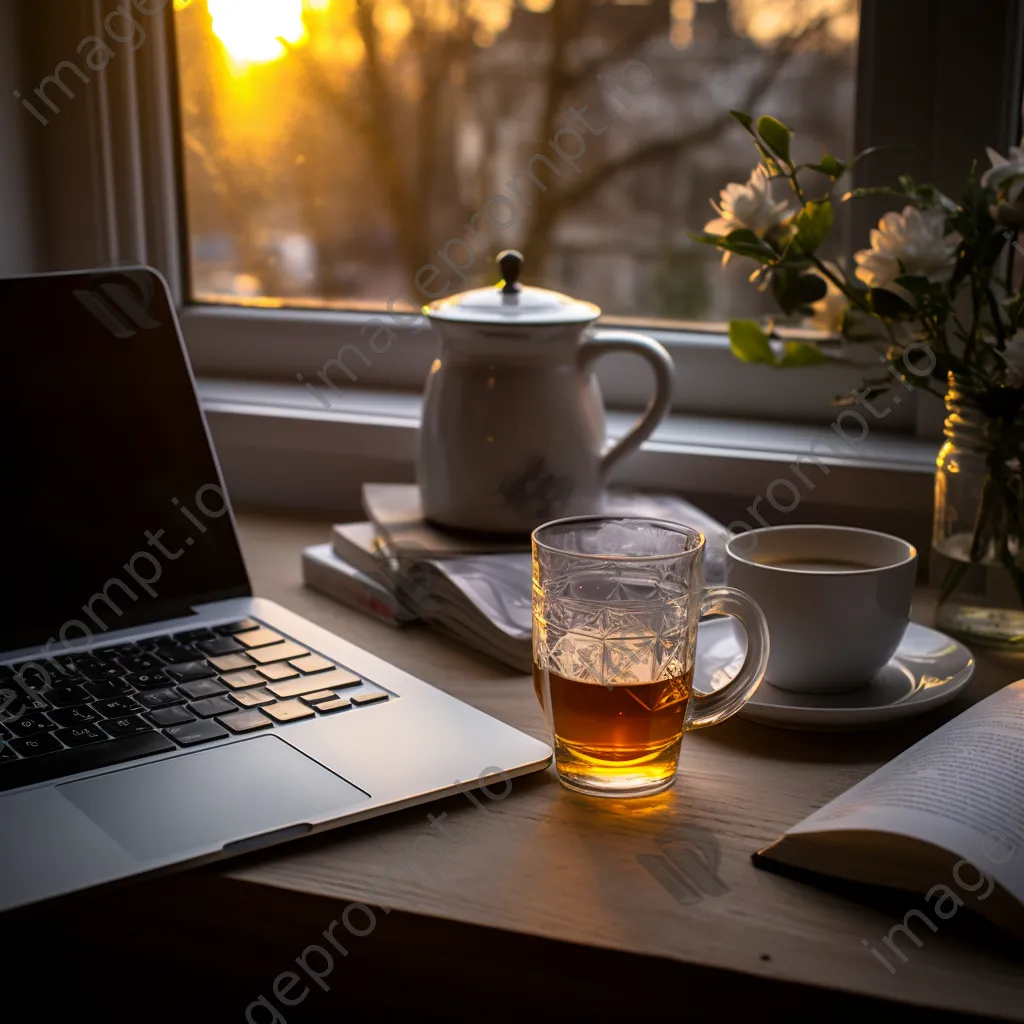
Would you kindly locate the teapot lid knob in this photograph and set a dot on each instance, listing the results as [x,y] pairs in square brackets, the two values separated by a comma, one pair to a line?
[511,263]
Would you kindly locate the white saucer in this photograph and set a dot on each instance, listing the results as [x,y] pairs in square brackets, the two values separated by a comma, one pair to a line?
[929,669]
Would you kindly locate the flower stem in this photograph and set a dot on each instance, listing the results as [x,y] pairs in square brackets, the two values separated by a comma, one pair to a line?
[953,578]
[997,320]
[1010,253]
[985,512]
[1010,564]
[796,185]
[840,283]
[972,334]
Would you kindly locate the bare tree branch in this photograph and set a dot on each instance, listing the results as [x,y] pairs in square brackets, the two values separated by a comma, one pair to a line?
[405,173]
[567,19]
[343,105]
[228,181]
[384,145]
[436,56]
[646,26]
[659,149]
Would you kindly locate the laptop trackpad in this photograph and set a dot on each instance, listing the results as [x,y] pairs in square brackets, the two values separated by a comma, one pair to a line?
[212,798]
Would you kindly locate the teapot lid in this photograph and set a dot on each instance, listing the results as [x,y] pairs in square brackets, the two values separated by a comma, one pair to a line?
[513,303]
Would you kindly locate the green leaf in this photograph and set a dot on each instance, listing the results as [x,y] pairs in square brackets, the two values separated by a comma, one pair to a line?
[919,287]
[794,291]
[907,183]
[765,152]
[775,134]
[749,343]
[930,194]
[739,246]
[744,236]
[867,152]
[715,240]
[888,304]
[831,166]
[749,243]
[810,288]
[813,223]
[742,242]
[759,255]
[799,353]
[872,190]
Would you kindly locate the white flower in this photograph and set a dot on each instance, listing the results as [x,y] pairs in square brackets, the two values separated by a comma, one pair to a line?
[912,242]
[1014,356]
[1006,176]
[748,206]
[1005,169]
[830,309]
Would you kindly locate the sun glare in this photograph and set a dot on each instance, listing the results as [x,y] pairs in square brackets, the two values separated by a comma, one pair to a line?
[768,21]
[251,30]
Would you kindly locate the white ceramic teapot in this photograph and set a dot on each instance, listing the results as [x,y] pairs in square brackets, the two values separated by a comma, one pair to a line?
[513,431]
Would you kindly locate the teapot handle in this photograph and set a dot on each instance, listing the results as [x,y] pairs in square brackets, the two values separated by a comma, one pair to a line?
[603,343]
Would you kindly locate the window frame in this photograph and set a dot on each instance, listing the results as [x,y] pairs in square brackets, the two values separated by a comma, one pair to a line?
[127,205]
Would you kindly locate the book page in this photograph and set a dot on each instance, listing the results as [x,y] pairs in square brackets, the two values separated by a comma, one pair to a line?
[961,788]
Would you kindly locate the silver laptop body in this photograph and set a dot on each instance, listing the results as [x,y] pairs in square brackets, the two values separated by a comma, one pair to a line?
[346,736]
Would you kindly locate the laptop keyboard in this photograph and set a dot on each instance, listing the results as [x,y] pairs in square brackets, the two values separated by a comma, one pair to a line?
[133,700]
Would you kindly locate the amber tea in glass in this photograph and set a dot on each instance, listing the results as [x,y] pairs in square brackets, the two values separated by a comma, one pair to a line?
[615,608]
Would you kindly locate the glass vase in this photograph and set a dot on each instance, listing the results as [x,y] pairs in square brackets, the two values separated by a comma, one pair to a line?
[977,563]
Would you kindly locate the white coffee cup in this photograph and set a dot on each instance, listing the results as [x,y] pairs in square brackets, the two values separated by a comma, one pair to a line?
[837,600]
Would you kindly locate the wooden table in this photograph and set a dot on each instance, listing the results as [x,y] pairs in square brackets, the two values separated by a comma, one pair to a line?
[543,901]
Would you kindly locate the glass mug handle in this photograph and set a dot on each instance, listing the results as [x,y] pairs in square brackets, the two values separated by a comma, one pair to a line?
[712,708]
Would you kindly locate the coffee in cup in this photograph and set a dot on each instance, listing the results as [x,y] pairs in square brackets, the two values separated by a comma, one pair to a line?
[836,598]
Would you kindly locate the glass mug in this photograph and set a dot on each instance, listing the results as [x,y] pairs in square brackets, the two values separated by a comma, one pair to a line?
[616,603]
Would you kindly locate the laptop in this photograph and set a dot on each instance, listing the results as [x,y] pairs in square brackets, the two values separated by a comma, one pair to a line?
[154,713]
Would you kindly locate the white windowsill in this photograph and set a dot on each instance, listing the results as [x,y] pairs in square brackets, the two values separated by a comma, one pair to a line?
[289,345]
[279,446]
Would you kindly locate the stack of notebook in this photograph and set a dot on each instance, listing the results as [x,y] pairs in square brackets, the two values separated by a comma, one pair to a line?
[475,590]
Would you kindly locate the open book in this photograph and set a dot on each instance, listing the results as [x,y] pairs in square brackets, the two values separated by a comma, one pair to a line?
[944,819]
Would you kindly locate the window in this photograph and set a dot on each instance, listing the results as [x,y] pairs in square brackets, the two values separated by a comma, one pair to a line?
[345,153]
[293,165]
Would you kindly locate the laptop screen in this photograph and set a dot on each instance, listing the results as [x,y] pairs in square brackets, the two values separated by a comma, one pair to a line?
[116,512]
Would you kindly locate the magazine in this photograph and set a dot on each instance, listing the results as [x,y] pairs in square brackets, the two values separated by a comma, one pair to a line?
[473,588]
